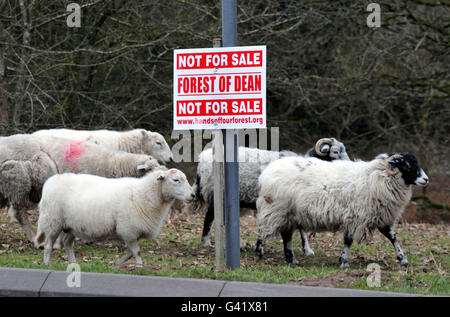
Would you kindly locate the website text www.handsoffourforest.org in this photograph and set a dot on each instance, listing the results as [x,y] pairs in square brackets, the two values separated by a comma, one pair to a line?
[221,120]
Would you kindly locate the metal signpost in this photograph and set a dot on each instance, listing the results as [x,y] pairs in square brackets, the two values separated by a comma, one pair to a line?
[231,170]
[223,89]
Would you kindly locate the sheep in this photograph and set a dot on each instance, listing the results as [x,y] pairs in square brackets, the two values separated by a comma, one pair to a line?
[27,161]
[252,163]
[328,149]
[355,197]
[93,208]
[137,141]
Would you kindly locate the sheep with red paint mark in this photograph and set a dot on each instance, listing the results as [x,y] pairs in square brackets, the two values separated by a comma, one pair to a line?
[27,161]
[137,141]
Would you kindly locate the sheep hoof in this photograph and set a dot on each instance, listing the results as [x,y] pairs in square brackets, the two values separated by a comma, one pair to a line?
[404,263]
[345,265]
[207,243]
[258,256]
[242,244]
[294,262]
[308,252]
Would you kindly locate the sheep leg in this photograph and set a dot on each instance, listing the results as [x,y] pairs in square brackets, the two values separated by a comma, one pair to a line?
[59,241]
[343,260]
[242,244]
[209,218]
[47,252]
[306,248]
[133,246]
[22,217]
[288,249]
[68,239]
[259,250]
[48,246]
[392,236]
[11,214]
[125,257]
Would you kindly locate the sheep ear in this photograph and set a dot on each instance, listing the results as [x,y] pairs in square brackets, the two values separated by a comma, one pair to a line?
[160,177]
[145,134]
[325,148]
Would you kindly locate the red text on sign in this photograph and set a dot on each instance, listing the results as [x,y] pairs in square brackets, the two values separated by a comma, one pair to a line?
[219,107]
[209,84]
[219,60]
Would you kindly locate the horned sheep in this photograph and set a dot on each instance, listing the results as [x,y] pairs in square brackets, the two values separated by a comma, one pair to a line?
[27,161]
[252,162]
[92,208]
[328,149]
[355,197]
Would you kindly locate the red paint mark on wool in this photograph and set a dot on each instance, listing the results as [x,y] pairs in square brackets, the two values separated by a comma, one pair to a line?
[74,150]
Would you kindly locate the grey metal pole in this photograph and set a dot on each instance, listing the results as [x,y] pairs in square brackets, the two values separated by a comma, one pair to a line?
[231,170]
[229,23]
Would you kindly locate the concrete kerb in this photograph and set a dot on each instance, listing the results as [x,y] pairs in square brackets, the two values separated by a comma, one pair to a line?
[33,282]
[22,282]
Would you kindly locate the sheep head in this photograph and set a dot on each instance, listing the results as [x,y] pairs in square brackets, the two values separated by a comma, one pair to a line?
[323,146]
[409,167]
[154,144]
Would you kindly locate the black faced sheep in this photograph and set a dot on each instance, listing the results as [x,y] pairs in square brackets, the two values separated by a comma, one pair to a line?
[353,197]
[252,162]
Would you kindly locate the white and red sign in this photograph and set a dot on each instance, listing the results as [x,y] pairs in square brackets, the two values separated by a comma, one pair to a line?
[220,88]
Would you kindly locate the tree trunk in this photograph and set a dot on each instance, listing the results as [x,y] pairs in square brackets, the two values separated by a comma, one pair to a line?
[3,96]
[20,104]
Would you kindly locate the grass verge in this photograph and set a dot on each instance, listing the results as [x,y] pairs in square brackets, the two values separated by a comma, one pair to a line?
[177,252]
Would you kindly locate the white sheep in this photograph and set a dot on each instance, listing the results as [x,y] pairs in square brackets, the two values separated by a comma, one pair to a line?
[93,208]
[137,141]
[354,197]
[251,162]
[27,161]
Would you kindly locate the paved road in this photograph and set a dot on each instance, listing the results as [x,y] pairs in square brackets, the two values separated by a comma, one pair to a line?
[30,282]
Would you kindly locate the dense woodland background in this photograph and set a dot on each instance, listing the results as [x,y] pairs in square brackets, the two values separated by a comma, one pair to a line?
[376,89]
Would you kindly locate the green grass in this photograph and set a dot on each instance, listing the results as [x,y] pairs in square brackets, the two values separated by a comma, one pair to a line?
[177,252]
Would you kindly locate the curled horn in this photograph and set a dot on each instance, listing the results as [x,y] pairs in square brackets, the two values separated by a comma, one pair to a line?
[388,168]
[320,143]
